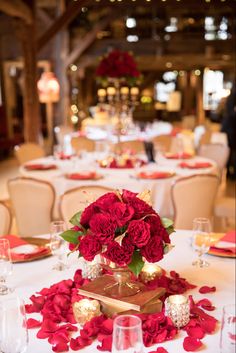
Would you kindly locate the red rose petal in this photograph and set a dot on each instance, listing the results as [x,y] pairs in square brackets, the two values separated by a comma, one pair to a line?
[206,289]
[159,350]
[196,332]
[191,344]
[79,343]
[32,323]
[106,343]
[206,304]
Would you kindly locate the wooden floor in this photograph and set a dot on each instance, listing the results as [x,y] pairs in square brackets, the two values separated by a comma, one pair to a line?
[10,169]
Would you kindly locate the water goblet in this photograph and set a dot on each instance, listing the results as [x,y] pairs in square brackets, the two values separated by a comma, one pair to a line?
[58,245]
[201,240]
[13,328]
[127,334]
[228,329]
[5,266]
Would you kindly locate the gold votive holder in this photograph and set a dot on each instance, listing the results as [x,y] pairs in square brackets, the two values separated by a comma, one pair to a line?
[85,309]
[178,309]
[150,272]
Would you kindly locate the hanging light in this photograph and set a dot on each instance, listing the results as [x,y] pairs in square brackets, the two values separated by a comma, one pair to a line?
[48,88]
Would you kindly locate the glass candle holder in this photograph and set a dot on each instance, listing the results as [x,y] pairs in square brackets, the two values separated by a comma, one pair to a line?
[85,309]
[178,309]
[150,272]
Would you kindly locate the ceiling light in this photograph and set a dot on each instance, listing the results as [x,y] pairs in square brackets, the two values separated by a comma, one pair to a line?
[73,67]
[197,72]
[132,38]
[169,65]
[130,22]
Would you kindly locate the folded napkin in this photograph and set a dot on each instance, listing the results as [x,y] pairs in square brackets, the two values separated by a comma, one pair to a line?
[82,176]
[154,175]
[63,156]
[40,166]
[196,165]
[226,246]
[19,245]
[183,155]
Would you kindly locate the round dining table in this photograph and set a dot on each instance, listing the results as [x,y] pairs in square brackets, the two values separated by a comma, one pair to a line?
[30,277]
[120,178]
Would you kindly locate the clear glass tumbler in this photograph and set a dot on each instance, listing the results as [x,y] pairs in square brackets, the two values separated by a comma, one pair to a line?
[228,329]
[5,265]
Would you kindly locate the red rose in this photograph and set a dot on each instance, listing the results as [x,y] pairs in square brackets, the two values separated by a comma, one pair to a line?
[105,201]
[140,207]
[117,254]
[156,228]
[103,227]
[121,212]
[139,233]
[127,245]
[87,214]
[153,251]
[89,247]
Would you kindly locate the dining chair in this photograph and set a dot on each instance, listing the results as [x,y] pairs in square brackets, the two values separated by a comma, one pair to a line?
[135,146]
[32,202]
[28,151]
[192,197]
[5,219]
[82,143]
[225,211]
[75,200]
[162,142]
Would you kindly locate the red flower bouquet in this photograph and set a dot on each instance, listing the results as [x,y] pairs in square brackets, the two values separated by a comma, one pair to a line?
[122,227]
[118,65]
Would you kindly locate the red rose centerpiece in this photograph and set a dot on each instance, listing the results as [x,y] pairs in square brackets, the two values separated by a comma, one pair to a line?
[123,228]
[118,65]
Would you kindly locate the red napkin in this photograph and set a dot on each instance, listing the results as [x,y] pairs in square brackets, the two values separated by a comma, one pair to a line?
[154,175]
[16,241]
[183,155]
[196,165]
[229,251]
[81,176]
[64,156]
[40,166]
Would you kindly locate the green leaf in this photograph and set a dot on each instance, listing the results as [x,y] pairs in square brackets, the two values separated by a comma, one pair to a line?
[71,236]
[137,263]
[170,230]
[166,222]
[75,220]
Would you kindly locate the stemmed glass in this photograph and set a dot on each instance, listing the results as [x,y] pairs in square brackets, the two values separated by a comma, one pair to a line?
[5,265]
[13,328]
[58,245]
[201,240]
[127,334]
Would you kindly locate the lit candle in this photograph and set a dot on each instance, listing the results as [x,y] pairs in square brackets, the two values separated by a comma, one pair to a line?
[150,272]
[134,91]
[111,91]
[124,90]
[178,309]
[101,92]
[85,309]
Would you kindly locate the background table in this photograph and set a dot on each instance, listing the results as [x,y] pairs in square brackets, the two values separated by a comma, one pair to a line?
[30,277]
[119,178]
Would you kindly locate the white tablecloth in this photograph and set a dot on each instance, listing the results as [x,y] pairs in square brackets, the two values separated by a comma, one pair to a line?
[119,178]
[30,277]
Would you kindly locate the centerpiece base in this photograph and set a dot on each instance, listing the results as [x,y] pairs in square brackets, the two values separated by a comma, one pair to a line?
[144,301]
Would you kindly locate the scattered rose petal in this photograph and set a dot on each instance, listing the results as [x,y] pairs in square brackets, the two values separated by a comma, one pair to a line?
[191,344]
[196,332]
[106,343]
[205,304]
[79,343]
[32,323]
[159,350]
[206,289]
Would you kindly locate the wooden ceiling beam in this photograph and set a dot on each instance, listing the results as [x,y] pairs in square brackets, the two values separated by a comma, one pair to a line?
[44,17]
[17,8]
[61,22]
[89,38]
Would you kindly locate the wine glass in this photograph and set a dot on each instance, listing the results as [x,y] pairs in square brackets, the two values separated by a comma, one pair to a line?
[127,334]
[58,245]
[201,239]
[13,328]
[179,147]
[5,265]
[228,327]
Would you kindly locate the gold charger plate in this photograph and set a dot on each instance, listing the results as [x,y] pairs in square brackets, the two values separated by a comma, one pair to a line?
[36,241]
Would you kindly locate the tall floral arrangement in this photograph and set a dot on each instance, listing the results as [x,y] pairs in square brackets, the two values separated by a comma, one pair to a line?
[118,65]
[122,227]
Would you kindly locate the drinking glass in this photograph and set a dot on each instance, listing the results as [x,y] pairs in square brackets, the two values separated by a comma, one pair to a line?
[58,245]
[201,239]
[13,328]
[127,334]
[5,266]
[228,330]
[179,147]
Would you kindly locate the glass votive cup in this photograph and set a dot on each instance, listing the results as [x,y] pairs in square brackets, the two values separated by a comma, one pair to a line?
[85,309]
[150,272]
[178,309]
